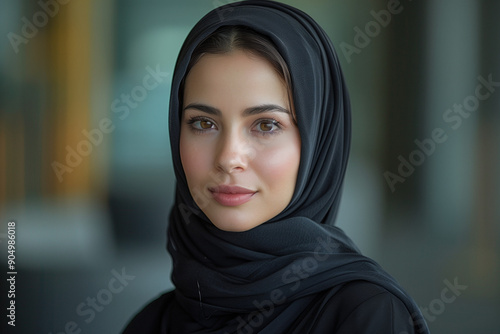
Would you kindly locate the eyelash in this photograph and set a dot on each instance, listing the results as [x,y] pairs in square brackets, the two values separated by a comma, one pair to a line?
[191,121]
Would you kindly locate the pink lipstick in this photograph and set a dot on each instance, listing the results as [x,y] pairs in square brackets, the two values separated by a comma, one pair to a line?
[231,195]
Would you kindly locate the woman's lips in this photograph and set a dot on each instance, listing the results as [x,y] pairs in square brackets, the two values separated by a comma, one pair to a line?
[231,195]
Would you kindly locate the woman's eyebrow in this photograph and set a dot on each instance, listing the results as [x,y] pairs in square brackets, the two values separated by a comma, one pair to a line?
[264,108]
[203,107]
[247,112]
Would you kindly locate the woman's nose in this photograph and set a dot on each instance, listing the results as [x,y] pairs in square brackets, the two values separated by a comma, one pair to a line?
[233,153]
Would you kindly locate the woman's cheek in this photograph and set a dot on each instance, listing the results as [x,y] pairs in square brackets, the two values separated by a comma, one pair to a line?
[195,159]
[279,162]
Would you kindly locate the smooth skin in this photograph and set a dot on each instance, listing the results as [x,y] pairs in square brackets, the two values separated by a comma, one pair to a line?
[237,131]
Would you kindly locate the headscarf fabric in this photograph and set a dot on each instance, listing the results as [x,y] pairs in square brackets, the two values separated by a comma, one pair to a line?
[279,267]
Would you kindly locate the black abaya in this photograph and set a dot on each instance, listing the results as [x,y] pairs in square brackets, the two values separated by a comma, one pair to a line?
[358,307]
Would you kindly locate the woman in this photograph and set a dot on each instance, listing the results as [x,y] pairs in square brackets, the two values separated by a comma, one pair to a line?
[260,134]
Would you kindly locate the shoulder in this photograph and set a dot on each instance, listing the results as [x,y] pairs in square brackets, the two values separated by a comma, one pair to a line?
[148,320]
[363,307]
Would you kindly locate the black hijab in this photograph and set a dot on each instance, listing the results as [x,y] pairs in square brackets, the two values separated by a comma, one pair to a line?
[223,278]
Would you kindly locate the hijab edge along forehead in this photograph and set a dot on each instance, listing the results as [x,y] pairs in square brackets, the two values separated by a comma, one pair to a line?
[319,95]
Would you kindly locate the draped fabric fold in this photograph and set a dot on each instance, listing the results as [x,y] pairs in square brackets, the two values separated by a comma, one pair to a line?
[286,263]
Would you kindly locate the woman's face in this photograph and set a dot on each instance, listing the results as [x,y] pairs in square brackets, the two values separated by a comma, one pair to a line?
[239,146]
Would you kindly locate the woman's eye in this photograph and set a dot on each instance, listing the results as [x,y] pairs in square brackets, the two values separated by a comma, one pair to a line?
[268,126]
[201,124]
[204,124]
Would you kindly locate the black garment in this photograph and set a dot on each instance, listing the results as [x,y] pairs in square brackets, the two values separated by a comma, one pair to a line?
[296,272]
[358,307]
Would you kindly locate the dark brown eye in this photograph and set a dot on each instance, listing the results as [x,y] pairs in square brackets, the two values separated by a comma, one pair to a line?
[206,125]
[268,126]
[201,124]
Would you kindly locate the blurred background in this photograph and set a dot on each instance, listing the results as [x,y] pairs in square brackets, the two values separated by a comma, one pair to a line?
[85,168]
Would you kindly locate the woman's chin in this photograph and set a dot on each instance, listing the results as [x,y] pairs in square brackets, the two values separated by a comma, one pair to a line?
[233,223]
